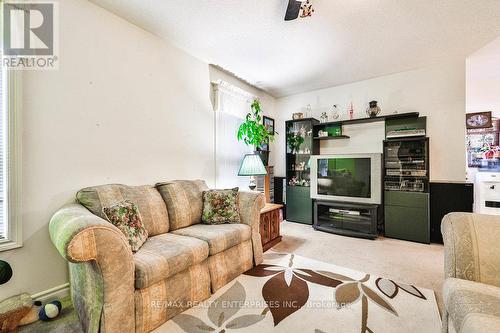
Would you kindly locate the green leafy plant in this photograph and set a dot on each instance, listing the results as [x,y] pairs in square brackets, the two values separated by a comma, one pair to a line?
[252,131]
[294,141]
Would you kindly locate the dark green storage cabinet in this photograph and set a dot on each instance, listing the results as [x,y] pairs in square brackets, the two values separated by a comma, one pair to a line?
[406,181]
[300,145]
[407,216]
[298,204]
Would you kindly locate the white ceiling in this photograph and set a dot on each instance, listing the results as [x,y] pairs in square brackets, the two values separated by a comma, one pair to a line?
[344,40]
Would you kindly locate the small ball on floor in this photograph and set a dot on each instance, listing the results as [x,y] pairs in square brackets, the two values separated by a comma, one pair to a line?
[50,311]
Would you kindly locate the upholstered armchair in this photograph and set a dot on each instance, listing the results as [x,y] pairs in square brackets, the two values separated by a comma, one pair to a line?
[471,290]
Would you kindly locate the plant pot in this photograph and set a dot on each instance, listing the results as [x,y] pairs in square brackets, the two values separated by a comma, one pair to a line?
[264,156]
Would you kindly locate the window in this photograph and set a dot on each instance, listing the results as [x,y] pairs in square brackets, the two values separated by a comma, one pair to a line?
[232,105]
[10,226]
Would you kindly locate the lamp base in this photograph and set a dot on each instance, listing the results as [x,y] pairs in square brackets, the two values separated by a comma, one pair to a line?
[252,185]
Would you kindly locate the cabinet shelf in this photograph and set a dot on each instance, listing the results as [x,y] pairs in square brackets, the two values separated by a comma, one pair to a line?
[336,137]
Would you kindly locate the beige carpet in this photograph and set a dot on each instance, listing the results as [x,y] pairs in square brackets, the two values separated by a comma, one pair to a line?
[412,263]
[289,293]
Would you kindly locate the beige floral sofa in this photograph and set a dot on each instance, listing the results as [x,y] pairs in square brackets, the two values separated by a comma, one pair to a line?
[471,290]
[182,262]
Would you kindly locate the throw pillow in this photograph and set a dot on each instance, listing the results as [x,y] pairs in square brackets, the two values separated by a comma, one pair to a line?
[126,217]
[151,205]
[221,206]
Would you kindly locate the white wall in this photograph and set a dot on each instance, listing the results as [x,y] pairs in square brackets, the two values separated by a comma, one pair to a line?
[483,79]
[123,107]
[437,92]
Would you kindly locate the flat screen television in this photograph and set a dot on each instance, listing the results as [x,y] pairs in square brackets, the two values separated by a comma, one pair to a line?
[355,178]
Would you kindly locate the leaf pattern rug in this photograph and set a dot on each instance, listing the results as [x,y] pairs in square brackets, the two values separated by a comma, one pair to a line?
[290,293]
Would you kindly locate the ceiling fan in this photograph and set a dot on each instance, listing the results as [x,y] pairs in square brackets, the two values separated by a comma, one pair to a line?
[304,8]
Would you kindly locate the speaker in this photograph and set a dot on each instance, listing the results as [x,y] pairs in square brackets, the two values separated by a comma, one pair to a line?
[446,198]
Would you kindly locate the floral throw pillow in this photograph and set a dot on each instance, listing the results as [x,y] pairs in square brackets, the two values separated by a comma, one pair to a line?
[220,206]
[126,217]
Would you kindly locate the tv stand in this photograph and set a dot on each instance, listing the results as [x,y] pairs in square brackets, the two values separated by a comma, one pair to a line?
[348,219]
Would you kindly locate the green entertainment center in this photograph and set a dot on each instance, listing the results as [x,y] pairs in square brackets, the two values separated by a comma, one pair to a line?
[404,208]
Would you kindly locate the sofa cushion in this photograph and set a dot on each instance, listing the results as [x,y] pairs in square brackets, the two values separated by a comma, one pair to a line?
[184,201]
[463,297]
[165,255]
[148,199]
[126,217]
[220,206]
[480,323]
[219,237]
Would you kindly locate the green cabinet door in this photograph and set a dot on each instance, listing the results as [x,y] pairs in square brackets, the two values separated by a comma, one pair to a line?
[298,204]
[407,216]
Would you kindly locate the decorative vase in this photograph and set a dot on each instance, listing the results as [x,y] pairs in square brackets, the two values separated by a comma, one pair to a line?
[351,112]
[373,110]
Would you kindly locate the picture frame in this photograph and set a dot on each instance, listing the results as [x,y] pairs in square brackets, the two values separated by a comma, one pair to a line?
[268,124]
[478,120]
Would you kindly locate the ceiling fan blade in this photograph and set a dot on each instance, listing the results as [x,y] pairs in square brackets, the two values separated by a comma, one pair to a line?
[293,9]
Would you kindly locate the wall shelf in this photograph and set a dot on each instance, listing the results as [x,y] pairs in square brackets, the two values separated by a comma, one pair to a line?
[336,137]
[368,120]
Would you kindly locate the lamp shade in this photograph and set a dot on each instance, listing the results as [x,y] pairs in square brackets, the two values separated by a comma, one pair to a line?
[252,166]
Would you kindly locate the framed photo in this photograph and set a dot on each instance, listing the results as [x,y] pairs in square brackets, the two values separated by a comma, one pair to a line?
[478,120]
[268,124]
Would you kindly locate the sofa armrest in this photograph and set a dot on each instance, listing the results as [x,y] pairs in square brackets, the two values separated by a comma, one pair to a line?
[250,204]
[471,247]
[95,247]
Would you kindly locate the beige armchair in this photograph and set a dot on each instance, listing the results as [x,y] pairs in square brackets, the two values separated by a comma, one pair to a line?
[471,289]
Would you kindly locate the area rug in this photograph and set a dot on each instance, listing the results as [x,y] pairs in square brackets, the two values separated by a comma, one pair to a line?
[289,293]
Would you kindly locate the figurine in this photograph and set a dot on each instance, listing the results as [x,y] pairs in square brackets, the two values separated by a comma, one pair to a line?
[307,9]
[323,118]
[335,113]
[303,132]
[322,134]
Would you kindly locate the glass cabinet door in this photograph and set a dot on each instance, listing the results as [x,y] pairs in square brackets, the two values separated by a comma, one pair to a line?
[299,148]
[406,165]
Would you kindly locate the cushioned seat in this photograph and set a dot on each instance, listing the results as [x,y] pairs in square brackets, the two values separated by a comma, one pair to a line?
[463,298]
[165,255]
[480,323]
[219,237]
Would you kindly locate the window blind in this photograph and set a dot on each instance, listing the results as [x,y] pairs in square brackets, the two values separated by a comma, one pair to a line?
[3,95]
[233,105]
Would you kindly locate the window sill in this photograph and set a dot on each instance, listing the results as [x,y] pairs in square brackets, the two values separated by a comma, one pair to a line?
[9,245]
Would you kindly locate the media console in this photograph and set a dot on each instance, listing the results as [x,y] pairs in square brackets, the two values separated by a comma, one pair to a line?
[348,219]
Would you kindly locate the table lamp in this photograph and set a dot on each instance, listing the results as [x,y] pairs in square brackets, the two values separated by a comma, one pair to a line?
[252,166]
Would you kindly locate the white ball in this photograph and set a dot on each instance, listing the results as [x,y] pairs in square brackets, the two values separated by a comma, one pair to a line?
[51,310]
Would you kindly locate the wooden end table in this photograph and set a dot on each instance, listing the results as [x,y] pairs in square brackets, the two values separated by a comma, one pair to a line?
[270,225]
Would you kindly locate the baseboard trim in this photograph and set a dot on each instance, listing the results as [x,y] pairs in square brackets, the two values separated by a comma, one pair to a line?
[52,293]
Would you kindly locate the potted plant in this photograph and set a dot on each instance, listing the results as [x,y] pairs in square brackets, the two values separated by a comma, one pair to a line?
[254,133]
[294,141]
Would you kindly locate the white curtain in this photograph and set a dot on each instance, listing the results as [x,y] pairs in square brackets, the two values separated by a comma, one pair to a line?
[231,106]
